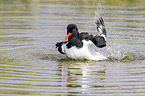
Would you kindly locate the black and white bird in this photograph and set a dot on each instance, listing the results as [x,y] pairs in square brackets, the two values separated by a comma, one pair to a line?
[83,45]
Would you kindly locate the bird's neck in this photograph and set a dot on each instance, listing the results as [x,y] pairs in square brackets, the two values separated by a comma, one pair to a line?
[76,41]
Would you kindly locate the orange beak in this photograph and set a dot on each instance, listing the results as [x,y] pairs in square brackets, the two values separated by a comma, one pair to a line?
[68,35]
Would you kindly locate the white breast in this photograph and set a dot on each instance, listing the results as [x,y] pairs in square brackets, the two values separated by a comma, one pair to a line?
[88,51]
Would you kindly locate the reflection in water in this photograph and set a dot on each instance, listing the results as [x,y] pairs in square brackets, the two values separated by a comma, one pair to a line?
[82,76]
[95,77]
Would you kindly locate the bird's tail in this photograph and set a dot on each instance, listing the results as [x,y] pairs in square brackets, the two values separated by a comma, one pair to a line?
[101,26]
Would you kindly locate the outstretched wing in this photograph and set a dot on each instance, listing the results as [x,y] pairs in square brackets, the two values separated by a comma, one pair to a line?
[59,46]
[101,26]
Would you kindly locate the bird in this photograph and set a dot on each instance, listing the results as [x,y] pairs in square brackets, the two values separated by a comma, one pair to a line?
[84,45]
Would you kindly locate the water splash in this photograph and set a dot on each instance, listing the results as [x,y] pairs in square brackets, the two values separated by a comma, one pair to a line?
[117,48]
[121,53]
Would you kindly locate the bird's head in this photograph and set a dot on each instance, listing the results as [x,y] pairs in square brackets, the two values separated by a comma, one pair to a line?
[72,31]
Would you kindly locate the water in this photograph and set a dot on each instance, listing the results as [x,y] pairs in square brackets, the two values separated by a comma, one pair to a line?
[30,65]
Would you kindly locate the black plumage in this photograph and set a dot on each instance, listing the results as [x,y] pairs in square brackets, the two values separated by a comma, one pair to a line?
[76,38]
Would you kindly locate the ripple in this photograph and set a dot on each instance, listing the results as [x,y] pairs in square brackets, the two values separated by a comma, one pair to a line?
[30,64]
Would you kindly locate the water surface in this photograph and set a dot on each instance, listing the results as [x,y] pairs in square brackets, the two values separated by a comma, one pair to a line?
[30,65]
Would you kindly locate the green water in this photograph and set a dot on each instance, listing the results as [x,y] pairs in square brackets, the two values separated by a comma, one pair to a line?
[30,65]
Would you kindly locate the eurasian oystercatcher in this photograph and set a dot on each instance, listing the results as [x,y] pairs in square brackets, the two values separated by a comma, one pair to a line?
[83,45]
